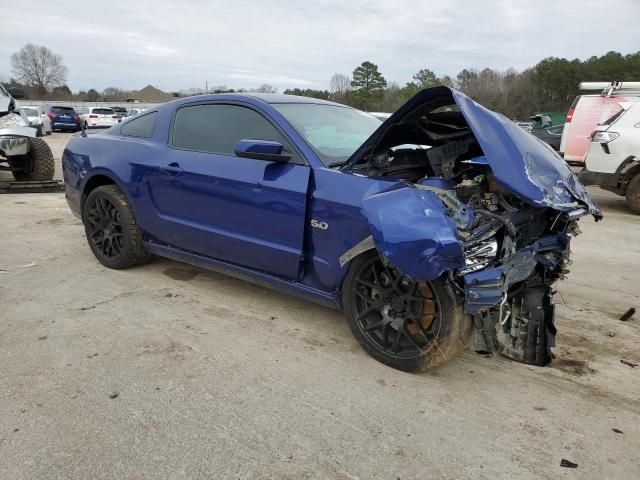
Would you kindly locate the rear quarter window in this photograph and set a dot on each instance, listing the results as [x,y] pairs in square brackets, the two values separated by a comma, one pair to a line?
[141,127]
[63,110]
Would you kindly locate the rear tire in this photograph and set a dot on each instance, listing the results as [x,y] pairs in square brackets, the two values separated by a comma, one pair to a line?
[38,164]
[111,229]
[432,329]
[633,194]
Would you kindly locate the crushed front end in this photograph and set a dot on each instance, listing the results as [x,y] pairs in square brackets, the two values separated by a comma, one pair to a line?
[514,254]
[481,203]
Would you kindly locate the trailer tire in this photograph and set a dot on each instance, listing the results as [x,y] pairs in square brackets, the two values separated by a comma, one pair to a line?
[39,163]
[633,194]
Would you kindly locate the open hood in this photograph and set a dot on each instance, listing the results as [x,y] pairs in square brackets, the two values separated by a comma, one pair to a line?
[521,163]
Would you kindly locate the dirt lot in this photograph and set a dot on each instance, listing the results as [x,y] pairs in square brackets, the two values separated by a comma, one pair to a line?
[216,378]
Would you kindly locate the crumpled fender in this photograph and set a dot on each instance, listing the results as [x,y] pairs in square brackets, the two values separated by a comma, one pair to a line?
[411,230]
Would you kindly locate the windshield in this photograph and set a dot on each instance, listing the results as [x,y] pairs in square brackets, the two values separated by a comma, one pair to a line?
[30,112]
[332,131]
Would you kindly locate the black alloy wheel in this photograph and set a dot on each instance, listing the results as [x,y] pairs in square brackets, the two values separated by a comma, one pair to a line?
[405,324]
[105,228]
[111,229]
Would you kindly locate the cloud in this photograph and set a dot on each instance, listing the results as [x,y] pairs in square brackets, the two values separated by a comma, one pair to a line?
[288,43]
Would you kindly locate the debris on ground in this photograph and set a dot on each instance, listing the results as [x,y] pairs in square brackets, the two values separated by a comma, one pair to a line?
[617,430]
[28,265]
[90,307]
[628,314]
[627,362]
[113,395]
[568,464]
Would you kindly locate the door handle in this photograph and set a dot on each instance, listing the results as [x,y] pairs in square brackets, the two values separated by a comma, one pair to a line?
[173,168]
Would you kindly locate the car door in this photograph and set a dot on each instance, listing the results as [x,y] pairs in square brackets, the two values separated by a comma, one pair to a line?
[214,203]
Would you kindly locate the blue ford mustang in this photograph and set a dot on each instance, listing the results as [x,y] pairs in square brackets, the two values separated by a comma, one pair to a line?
[445,225]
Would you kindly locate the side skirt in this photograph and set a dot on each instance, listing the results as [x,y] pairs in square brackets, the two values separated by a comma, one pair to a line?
[289,287]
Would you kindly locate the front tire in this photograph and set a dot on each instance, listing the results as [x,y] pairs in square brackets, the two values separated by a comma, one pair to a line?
[38,165]
[406,325]
[633,194]
[111,229]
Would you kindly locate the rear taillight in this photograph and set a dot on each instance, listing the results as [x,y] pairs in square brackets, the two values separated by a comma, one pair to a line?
[569,115]
[604,137]
[115,116]
[93,116]
[51,115]
[77,118]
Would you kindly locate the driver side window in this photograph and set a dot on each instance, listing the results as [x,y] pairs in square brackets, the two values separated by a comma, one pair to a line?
[215,128]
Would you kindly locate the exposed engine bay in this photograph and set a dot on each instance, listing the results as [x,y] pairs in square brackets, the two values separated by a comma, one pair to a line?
[506,254]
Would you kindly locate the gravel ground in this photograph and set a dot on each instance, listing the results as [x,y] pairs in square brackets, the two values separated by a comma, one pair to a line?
[169,371]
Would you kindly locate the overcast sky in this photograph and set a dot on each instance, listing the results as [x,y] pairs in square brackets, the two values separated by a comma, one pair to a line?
[175,45]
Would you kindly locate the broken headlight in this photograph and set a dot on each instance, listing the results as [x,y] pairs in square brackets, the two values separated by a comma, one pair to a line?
[480,255]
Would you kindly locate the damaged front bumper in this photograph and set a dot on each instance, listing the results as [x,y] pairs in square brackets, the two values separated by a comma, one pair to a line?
[511,304]
[502,265]
[14,135]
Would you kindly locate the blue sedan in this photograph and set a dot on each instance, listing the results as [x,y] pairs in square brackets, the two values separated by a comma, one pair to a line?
[446,225]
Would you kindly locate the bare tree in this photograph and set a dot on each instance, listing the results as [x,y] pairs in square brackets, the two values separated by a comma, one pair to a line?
[114,94]
[39,67]
[339,84]
[266,88]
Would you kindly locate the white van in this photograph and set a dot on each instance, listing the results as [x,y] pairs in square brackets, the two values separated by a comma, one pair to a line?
[613,156]
[588,111]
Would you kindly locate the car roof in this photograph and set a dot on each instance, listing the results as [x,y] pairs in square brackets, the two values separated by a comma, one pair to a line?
[251,97]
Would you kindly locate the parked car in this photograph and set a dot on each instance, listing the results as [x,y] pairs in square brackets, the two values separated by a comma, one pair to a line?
[121,112]
[97,117]
[38,119]
[550,135]
[587,111]
[418,246]
[135,111]
[613,158]
[63,118]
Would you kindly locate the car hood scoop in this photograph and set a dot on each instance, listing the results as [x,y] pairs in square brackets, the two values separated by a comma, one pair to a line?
[521,163]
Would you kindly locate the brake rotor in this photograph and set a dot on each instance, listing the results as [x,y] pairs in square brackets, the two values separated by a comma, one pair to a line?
[428,309]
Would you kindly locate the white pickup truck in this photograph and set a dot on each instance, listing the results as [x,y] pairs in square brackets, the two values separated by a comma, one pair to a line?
[28,158]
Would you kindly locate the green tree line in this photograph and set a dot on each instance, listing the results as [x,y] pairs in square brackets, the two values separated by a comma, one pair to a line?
[550,85]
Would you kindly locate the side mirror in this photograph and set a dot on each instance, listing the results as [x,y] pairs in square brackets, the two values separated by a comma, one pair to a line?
[17,93]
[261,150]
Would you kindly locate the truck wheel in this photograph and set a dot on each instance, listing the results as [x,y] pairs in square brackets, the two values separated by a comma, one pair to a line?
[406,325]
[633,194]
[111,229]
[38,164]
